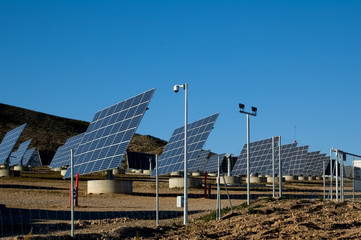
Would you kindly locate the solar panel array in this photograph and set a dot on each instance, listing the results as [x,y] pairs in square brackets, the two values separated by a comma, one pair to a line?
[31,157]
[62,155]
[260,158]
[311,159]
[19,154]
[104,144]
[172,158]
[212,163]
[9,142]
[201,161]
[297,161]
[287,152]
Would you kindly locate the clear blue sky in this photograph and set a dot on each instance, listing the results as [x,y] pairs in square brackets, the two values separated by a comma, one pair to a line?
[299,62]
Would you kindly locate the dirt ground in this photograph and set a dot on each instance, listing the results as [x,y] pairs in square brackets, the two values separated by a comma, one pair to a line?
[36,207]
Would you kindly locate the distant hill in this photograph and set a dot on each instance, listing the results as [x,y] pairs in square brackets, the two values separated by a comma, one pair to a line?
[48,132]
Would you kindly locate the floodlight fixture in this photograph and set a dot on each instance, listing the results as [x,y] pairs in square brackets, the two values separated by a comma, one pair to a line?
[241,110]
[254,109]
[176,87]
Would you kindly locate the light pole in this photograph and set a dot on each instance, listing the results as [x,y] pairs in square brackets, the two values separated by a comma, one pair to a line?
[176,89]
[253,113]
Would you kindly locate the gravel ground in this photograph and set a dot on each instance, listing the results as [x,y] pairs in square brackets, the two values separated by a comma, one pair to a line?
[36,207]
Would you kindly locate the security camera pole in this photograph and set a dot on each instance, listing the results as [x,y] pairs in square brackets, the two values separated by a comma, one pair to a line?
[176,89]
[253,113]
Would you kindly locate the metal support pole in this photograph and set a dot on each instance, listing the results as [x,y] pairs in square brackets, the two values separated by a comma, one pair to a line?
[229,165]
[323,178]
[248,177]
[219,191]
[341,177]
[331,174]
[273,168]
[185,220]
[280,176]
[353,179]
[336,175]
[157,191]
[72,190]
[229,198]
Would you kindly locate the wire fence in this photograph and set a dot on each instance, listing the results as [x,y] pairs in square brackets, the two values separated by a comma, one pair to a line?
[36,202]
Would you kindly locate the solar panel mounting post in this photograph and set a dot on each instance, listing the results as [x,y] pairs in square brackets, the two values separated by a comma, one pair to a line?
[336,175]
[273,168]
[331,174]
[280,176]
[323,178]
[248,178]
[157,191]
[341,177]
[72,190]
[229,165]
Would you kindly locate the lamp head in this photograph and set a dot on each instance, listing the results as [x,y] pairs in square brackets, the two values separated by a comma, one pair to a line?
[176,88]
[241,106]
[254,109]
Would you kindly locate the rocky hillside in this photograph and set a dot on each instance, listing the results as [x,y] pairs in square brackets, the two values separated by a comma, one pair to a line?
[48,132]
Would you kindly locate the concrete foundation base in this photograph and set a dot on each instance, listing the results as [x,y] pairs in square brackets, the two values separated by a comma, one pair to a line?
[117,171]
[58,169]
[231,180]
[176,173]
[179,182]
[319,178]
[62,172]
[110,186]
[18,168]
[277,179]
[302,178]
[253,179]
[147,172]
[212,174]
[4,173]
[268,175]
[196,174]
[289,178]
[2,166]
[311,178]
[9,173]
[139,171]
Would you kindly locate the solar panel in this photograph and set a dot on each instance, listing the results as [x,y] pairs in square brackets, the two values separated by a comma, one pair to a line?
[212,163]
[287,152]
[348,172]
[9,142]
[138,160]
[19,154]
[311,162]
[201,161]
[172,158]
[260,158]
[318,165]
[62,155]
[104,144]
[31,157]
[297,161]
